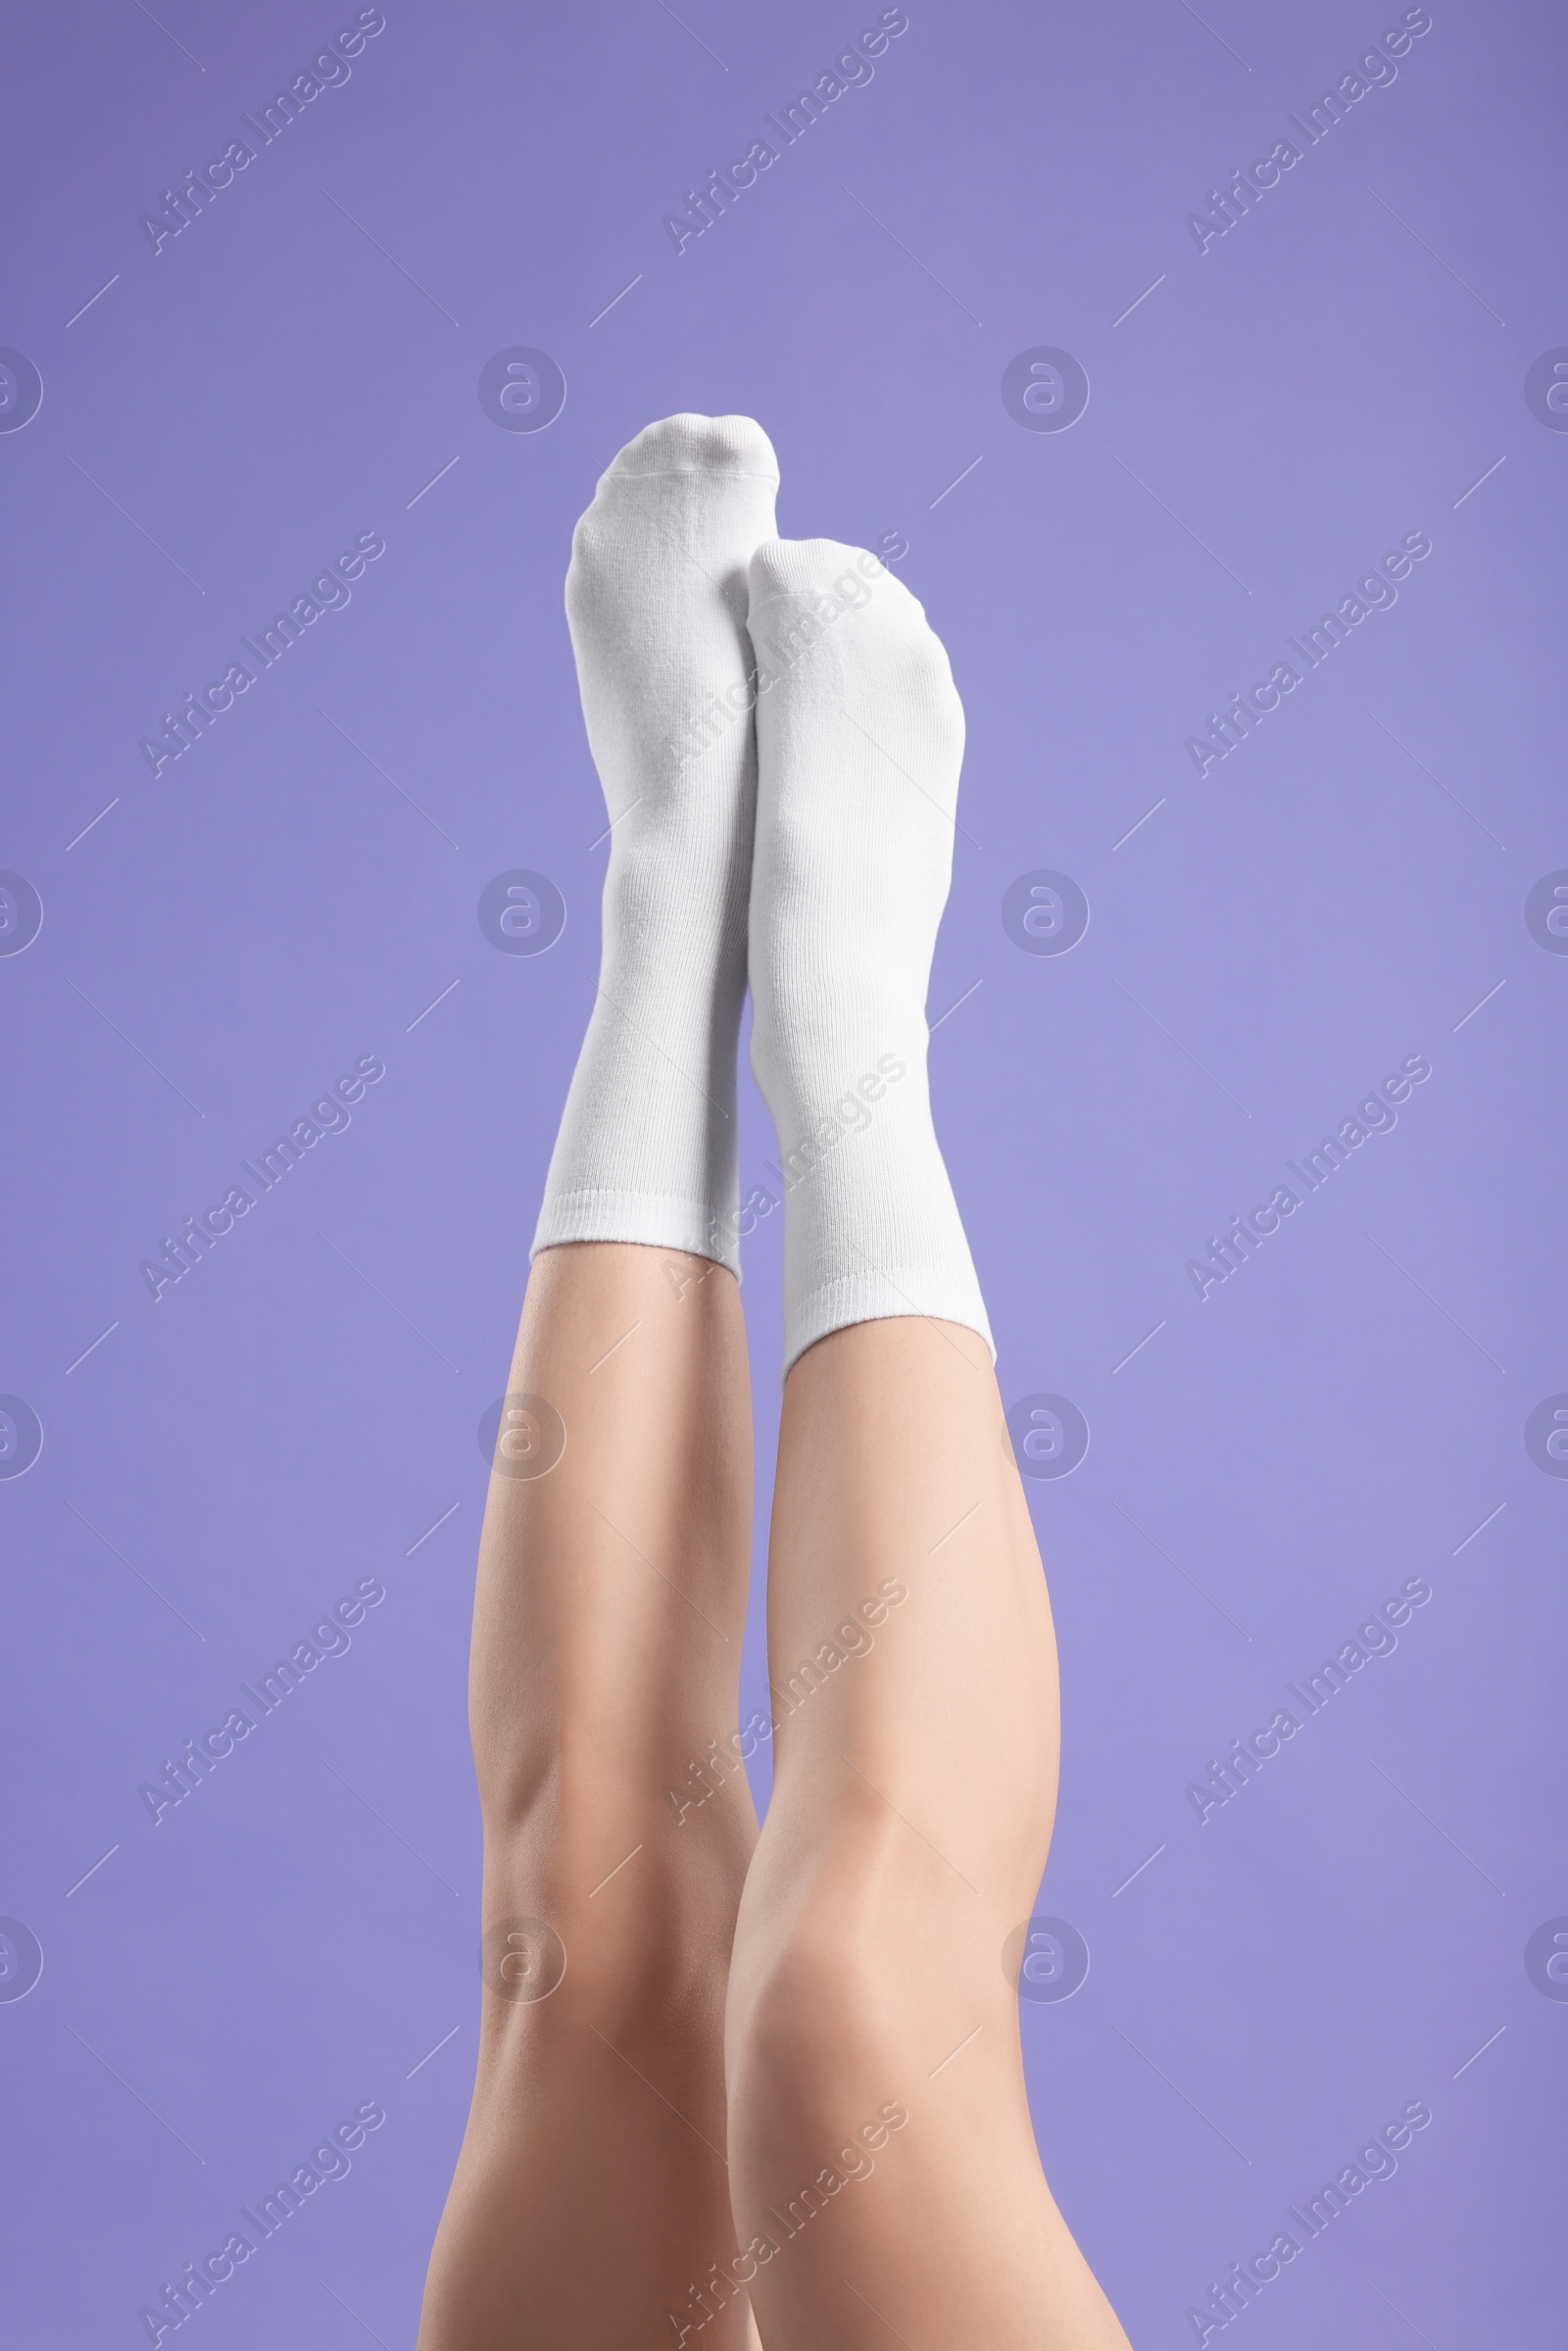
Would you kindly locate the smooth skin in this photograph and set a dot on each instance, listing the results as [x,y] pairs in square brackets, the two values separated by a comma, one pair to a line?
[903,1845]
[592,2186]
[611,2193]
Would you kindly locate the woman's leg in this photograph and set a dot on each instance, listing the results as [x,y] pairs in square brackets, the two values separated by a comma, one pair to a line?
[885,2179]
[614,1564]
[593,2187]
[879,2132]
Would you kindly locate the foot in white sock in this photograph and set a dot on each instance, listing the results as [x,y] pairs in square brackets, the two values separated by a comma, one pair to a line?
[860,740]
[656,600]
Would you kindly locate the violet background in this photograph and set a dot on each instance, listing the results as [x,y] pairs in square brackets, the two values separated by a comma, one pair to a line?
[228,413]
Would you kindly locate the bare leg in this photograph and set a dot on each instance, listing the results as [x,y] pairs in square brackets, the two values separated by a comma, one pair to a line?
[592,2187]
[879,2131]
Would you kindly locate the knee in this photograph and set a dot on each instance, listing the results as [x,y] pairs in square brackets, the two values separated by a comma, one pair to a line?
[817,2074]
[812,2014]
[856,1967]
[636,1915]
[638,1971]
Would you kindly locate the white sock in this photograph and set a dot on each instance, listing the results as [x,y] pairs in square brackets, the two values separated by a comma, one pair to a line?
[656,599]
[860,737]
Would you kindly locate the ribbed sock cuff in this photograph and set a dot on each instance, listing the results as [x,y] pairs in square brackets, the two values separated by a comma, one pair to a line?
[881,1297]
[656,1219]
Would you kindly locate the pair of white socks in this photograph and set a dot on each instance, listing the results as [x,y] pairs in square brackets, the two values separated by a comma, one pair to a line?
[778,738]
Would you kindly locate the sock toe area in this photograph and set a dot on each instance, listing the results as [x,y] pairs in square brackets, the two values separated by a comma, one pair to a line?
[803,566]
[692,444]
[801,571]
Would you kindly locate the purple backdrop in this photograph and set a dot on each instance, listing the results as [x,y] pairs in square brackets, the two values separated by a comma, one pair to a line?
[1348,357]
